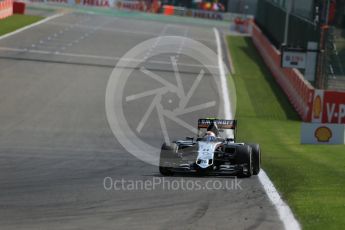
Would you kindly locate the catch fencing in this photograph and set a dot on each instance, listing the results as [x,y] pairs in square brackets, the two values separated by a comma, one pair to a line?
[271,18]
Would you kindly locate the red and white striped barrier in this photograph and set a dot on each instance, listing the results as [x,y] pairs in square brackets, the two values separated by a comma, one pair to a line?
[298,90]
[6,8]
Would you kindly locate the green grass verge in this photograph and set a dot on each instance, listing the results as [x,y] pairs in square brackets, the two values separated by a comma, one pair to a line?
[311,178]
[15,22]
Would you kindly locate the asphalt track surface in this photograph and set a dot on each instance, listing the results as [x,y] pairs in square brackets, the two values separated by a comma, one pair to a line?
[56,146]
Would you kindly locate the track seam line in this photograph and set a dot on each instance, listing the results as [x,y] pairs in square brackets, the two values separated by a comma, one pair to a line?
[284,211]
[30,26]
[91,56]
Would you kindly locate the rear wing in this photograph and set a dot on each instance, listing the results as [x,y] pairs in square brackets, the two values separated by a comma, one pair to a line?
[222,124]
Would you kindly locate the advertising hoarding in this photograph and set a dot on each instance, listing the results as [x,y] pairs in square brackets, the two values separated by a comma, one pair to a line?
[319,133]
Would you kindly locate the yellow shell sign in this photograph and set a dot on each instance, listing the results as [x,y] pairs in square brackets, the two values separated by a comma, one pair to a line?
[317,107]
[323,134]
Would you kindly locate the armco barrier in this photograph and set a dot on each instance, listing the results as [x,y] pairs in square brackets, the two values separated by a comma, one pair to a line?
[6,8]
[298,90]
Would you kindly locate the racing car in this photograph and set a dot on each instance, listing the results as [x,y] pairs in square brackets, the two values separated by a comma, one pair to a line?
[213,151]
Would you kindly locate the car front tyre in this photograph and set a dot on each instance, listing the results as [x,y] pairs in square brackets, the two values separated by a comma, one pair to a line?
[167,155]
[246,157]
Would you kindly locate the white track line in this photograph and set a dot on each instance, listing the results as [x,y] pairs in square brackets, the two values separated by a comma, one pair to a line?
[30,26]
[231,64]
[223,80]
[284,211]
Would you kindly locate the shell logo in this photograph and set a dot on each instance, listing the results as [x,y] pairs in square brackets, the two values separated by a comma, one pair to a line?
[323,134]
[317,110]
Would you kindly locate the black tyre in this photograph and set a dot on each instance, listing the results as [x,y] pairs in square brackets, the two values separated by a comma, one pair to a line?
[256,158]
[165,171]
[245,157]
[168,153]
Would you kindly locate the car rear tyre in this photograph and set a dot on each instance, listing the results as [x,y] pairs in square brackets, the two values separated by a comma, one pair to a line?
[256,158]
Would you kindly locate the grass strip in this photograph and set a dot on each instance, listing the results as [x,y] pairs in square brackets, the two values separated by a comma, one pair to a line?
[16,21]
[311,178]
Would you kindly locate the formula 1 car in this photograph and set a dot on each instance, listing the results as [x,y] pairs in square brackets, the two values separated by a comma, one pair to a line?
[211,154]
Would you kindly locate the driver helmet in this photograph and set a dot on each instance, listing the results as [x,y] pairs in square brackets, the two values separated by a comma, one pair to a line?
[213,127]
[210,136]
